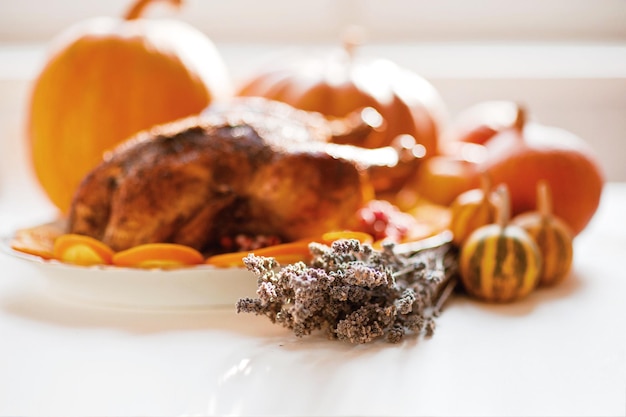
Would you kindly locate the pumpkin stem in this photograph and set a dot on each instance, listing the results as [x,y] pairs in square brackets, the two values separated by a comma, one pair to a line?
[352,37]
[504,205]
[485,185]
[544,198]
[136,10]
[520,118]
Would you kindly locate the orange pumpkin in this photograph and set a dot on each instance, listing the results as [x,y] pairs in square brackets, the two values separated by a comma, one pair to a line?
[337,85]
[109,78]
[528,153]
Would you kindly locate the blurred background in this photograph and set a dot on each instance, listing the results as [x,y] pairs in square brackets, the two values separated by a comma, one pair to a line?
[565,59]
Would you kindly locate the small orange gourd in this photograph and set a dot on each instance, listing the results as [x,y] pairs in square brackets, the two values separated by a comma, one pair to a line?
[106,79]
[552,235]
[500,262]
[471,210]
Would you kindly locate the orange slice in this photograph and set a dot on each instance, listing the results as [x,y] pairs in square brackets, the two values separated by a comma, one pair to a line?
[81,250]
[158,255]
[38,240]
[329,237]
[285,253]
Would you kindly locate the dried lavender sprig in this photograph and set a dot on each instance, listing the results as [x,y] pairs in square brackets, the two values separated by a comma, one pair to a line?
[358,294]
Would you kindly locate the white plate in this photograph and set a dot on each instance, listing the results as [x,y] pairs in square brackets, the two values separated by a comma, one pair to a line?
[184,288]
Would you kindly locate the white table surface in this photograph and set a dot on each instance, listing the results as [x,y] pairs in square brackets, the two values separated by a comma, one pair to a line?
[560,352]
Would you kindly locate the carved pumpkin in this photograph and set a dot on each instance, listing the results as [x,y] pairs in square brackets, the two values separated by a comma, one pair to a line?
[109,78]
[336,85]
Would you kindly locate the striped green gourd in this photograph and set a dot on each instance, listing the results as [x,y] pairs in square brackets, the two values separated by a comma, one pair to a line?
[552,235]
[500,262]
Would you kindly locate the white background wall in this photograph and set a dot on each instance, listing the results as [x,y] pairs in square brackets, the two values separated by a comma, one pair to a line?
[315,20]
[566,59]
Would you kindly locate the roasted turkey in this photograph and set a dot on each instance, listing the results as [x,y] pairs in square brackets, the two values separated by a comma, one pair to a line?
[251,167]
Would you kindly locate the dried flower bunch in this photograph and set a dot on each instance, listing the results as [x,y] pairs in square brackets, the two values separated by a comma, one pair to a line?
[354,292]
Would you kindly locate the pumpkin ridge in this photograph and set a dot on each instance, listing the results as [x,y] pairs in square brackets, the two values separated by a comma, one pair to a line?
[562,262]
[521,263]
[501,254]
[475,266]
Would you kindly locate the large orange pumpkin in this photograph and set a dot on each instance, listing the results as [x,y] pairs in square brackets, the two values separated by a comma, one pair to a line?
[523,156]
[108,78]
[337,85]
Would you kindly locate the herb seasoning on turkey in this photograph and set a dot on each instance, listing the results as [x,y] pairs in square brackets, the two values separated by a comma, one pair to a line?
[355,293]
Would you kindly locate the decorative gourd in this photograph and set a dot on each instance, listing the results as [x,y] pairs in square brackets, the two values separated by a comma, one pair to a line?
[471,210]
[552,235]
[500,262]
[441,179]
[412,110]
[109,78]
[530,152]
